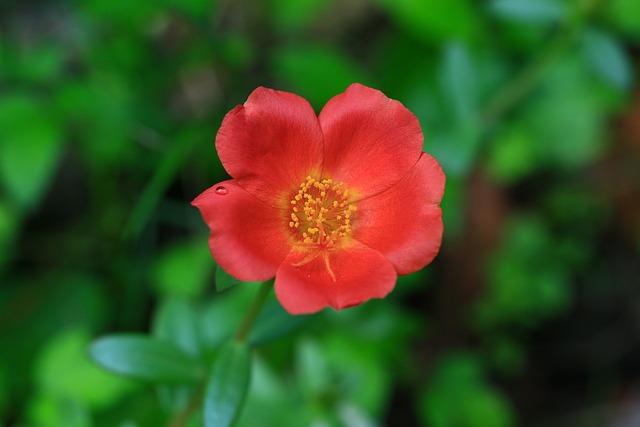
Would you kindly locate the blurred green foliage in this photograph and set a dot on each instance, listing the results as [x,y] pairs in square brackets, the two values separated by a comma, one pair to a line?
[108,112]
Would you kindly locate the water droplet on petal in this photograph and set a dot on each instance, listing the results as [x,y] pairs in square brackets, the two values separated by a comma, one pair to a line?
[220,190]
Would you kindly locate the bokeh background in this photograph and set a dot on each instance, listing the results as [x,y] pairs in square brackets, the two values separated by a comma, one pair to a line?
[529,316]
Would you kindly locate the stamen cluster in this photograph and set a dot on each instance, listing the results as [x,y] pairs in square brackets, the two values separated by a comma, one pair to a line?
[321,212]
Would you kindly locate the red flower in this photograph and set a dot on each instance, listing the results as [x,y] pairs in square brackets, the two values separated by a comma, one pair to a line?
[335,206]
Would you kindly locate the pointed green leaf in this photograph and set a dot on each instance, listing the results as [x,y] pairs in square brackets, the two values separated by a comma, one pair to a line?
[145,358]
[176,321]
[31,145]
[459,81]
[608,58]
[224,280]
[227,386]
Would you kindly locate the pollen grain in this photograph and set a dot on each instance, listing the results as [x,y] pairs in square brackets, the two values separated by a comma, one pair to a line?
[321,212]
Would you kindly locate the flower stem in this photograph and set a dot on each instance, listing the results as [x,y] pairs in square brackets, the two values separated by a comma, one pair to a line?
[253,311]
[182,418]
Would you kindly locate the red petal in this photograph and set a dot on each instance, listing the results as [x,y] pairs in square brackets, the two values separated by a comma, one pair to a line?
[371,141]
[405,222]
[248,238]
[360,274]
[271,143]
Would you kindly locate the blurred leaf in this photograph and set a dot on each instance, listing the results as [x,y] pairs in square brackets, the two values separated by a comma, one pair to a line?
[607,57]
[459,81]
[312,368]
[197,9]
[40,63]
[145,358]
[528,277]
[360,372]
[222,316]
[271,399]
[459,396]
[49,411]
[456,142]
[9,229]
[63,370]
[35,309]
[530,11]
[224,280]
[288,15]
[124,15]
[273,323]
[456,149]
[434,21]
[162,177]
[566,120]
[227,385]
[30,146]
[238,50]
[173,398]
[625,15]
[315,72]
[512,155]
[104,127]
[176,321]
[184,269]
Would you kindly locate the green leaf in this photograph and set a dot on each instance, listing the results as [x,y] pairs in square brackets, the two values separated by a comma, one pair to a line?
[566,117]
[625,15]
[459,81]
[31,145]
[512,155]
[50,411]
[434,20]
[458,395]
[224,280]
[529,11]
[184,269]
[273,323]
[63,370]
[607,57]
[227,386]
[295,14]
[313,368]
[176,321]
[145,358]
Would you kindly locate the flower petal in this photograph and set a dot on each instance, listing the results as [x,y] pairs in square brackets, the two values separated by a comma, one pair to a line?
[247,236]
[269,144]
[404,223]
[370,141]
[360,274]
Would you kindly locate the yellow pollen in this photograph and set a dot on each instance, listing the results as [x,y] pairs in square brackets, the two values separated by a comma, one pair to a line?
[325,211]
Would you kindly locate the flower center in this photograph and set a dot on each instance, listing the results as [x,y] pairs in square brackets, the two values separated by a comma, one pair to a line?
[321,213]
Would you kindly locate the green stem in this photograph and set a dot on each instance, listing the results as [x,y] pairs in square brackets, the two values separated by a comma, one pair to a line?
[525,81]
[254,310]
[182,418]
